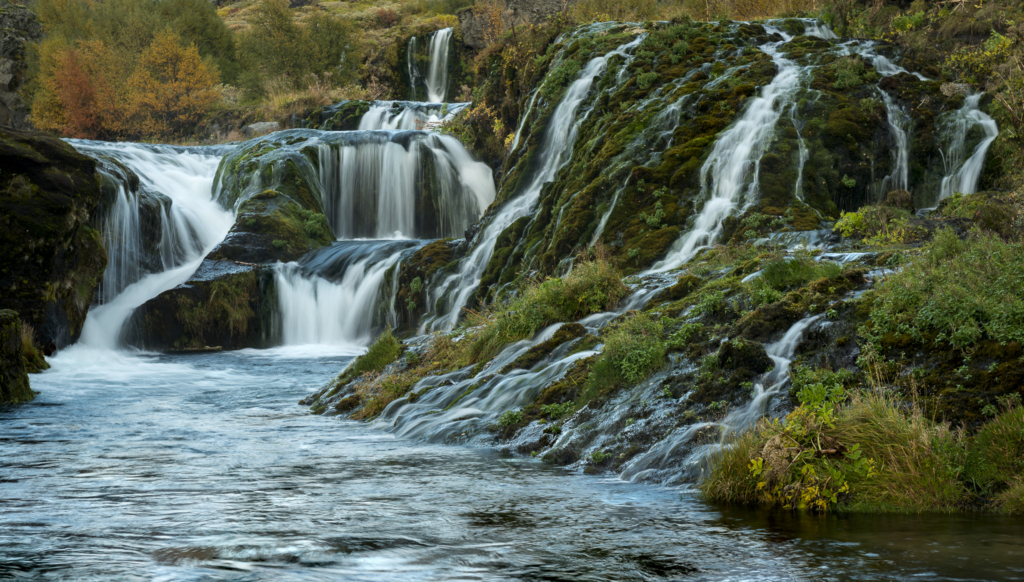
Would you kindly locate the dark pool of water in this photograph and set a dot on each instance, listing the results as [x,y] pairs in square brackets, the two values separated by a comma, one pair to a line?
[203,467]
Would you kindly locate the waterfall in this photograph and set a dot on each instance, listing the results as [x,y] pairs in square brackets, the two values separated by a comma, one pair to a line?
[174,198]
[899,125]
[401,185]
[437,75]
[962,175]
[408,115]
[661,455]
[729,176]
[435,82]
[554,151]
[333,295]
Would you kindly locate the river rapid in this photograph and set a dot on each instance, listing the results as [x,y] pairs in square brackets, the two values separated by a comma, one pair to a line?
[130,466]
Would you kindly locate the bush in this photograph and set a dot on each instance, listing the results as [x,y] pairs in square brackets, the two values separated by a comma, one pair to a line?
[849,72]
[959,291]
[635,347]
[791,273]
[386,17]
[996,454]
[384,350]
[275,47]
[878,225]
[872,454]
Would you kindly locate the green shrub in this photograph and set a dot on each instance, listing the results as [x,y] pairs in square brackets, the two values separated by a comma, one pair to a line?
[510,417]
[996,454]
[709,303]
[895,459]
[790,273]
[645,80]
[959,290]
[877,224]
[384,350]
[635,347]
[849,73]
[555,411]
[681,337]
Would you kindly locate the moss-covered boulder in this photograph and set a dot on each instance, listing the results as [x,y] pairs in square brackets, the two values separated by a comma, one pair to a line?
[14,385]
[50,259]
[272,227]
[224,305]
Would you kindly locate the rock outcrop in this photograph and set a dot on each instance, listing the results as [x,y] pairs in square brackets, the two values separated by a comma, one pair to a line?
[13,377]
[50,259]
[514,12]
[17,27]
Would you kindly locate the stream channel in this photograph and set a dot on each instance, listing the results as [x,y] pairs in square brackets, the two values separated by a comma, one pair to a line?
[130,466]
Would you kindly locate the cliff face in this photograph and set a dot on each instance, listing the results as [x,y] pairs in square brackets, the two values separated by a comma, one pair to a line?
[50,260]
[17,27]
[13,378]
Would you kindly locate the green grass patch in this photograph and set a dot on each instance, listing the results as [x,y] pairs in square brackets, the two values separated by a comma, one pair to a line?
[591,287]
[959,290]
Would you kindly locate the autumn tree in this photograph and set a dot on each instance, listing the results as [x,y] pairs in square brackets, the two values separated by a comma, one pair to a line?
[172,88]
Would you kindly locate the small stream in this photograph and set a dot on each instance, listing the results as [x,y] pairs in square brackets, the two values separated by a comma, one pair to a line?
[202,467]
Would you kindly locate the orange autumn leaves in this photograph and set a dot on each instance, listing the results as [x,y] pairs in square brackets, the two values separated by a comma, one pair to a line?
[90,90]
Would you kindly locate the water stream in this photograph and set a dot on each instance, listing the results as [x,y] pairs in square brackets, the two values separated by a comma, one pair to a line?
[201,467]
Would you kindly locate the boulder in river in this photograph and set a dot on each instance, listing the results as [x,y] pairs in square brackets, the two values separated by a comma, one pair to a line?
[14,385]
[50,259]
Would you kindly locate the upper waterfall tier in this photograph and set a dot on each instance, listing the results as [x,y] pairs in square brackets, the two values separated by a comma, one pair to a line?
[427,66]
[369,184]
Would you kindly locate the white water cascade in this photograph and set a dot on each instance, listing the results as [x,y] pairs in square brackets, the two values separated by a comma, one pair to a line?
[437,74]
[661,456]
[730,174]
[374,187]
[554,151]
[899,126]
[435,81]
[962,175]
[408,115]
[190,225]
[315,310]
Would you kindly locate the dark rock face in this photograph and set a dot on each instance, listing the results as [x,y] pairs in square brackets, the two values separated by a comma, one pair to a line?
[17,27]
[50,260]
[225,305]
[13,377]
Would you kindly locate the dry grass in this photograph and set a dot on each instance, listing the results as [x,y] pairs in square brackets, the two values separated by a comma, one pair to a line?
[283,100]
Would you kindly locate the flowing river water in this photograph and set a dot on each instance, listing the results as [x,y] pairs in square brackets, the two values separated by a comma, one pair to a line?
[201,467]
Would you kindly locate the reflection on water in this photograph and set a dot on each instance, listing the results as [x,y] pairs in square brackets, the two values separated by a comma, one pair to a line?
[203,467]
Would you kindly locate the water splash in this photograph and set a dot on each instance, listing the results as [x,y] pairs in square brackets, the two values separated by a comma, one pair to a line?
[663,460]
[408,115]
[963,175]
[333,296]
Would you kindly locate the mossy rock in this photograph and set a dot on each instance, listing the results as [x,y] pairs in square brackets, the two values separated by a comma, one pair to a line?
[272,227]
[14,386]
[683,287]
[50,260]
[224,305]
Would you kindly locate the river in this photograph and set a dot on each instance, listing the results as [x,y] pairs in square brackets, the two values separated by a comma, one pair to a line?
[203,467]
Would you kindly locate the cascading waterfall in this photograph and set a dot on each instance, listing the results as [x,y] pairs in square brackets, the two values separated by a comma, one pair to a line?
[729,176]
[661,456]
[334,296]
[555,150]
[435,82]
[437,74]
[408,115]
[373,186]
[962,175]
[179,182]
[899,126]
